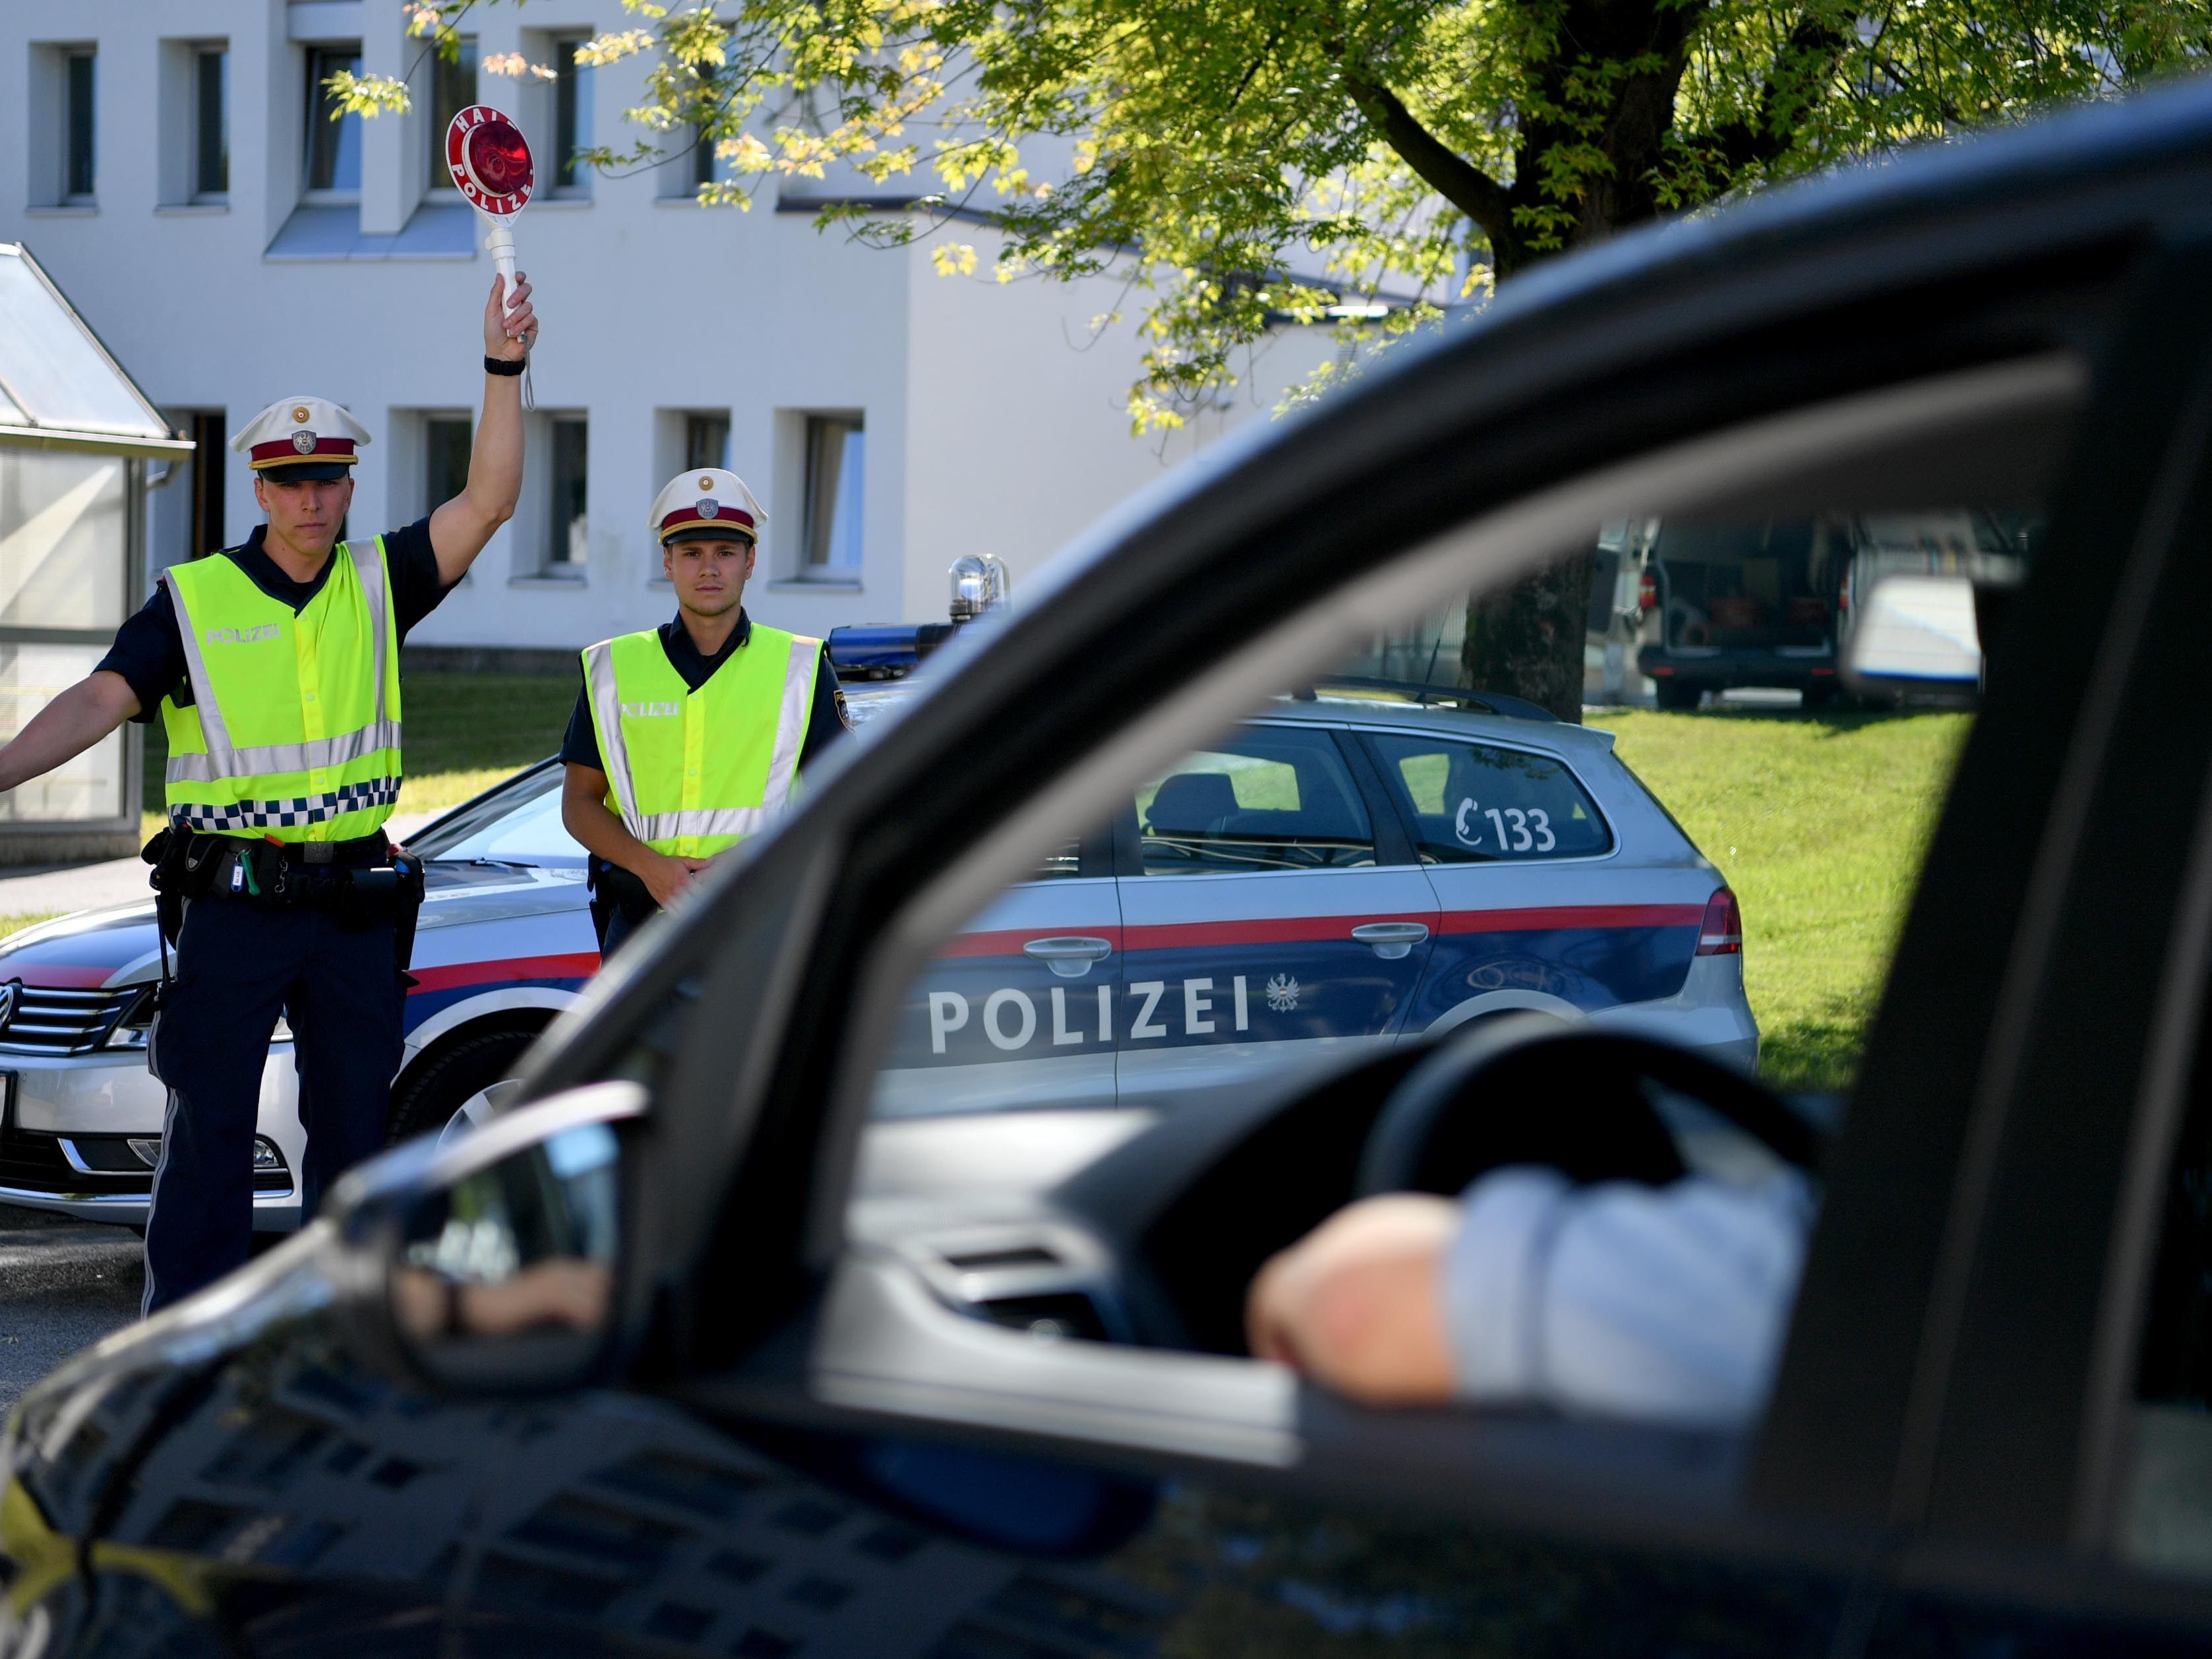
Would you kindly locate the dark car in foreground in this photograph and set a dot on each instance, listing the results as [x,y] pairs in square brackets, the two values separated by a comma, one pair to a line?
[678,1354]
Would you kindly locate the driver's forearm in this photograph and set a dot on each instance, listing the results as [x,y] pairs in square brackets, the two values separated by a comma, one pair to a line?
[597,830]
[67,727]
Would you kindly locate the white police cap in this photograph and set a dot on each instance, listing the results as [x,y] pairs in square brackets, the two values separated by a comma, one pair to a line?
[301,438]
[706,501]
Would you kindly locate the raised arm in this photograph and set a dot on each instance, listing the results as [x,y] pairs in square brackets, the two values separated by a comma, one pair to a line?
[67,727]
[459,529]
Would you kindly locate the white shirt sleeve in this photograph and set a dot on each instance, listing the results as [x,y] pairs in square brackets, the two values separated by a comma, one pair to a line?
[1656,1302]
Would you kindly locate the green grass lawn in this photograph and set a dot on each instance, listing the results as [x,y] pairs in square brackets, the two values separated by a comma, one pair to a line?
[1819,824]
[465,733]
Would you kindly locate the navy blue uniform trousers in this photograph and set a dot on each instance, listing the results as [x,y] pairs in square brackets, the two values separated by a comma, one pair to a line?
[239,966]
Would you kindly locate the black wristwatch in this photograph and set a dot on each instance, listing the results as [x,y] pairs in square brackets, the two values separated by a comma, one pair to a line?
[501,365]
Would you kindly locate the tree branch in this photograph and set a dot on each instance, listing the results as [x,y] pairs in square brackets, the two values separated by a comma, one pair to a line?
[1744,144]
[1451,174]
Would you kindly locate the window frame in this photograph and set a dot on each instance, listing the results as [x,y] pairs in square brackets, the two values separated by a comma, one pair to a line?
[316,57]
[569,75]
[556,527]
[813,425]
[438,188]
[72,58]
[200,194]
[431,420]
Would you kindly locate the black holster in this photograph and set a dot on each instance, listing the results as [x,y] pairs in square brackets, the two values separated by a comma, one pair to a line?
[617,892]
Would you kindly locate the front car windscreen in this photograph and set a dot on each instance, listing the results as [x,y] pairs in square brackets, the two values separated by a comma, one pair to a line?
[518,823]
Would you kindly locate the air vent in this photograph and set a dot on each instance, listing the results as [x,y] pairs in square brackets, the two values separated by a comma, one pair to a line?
[1044,1277]
[984,1261]
[1070,1313]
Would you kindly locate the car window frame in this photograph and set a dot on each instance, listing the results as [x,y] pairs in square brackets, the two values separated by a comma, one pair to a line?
[2020,1435]
[1667,466]
[809,887]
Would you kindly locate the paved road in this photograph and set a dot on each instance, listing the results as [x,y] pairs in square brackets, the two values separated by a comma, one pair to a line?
[63,1284]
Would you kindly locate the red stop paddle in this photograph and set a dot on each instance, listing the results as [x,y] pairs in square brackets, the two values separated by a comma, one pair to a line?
[490,160]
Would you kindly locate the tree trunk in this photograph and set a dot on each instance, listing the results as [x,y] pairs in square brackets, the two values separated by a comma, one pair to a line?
[1526,641]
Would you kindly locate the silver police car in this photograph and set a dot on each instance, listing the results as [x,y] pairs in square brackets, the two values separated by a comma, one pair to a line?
[1355,867]
[1348,869]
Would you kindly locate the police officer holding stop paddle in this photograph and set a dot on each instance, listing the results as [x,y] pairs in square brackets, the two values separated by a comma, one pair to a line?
[276,669]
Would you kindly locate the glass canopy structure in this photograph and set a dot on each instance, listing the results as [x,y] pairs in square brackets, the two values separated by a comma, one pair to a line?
[77,439]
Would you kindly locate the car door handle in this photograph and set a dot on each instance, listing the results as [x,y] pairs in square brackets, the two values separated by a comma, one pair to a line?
[1068,955]
[1390,940]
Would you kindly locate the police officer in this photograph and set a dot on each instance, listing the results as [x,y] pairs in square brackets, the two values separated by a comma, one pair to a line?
[276,668]
[686,738]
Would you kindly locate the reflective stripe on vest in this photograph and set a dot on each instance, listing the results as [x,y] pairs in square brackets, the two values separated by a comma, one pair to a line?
[687,771]
[293,730]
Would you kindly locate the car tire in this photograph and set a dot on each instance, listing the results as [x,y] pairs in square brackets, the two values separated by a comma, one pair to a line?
[1678,697]
[1822,697]
[461,1079]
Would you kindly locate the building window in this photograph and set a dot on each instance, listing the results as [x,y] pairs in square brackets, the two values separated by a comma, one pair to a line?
[836,473]
[210,123]
[78,128]
[208,452]
[445,444]
[333,148]
[564,545]
[571,119]
[706,442]
[452,89]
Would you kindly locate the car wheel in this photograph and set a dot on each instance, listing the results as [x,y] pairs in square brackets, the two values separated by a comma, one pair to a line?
[1822,696]
[1678,697]
[459,1087]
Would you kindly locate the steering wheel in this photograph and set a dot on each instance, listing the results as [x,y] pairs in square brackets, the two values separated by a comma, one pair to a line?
[1526,1089]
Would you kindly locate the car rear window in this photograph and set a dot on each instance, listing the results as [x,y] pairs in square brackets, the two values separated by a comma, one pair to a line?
[1474,803]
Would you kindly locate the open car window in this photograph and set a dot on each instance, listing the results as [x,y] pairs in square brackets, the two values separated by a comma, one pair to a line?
[1110,1122]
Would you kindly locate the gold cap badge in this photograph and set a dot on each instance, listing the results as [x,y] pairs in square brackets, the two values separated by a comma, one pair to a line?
[706,483]
[300,413]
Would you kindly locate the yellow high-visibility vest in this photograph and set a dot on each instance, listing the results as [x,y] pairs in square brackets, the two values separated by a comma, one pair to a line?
[690,773]
[293,732]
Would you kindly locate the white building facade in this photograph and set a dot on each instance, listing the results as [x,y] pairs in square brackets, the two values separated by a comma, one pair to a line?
[168,164]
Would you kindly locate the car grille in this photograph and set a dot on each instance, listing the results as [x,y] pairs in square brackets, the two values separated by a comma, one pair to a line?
[53,1019]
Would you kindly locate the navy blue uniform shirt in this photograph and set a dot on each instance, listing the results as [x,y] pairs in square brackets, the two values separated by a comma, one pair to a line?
[150,652]
[825,721]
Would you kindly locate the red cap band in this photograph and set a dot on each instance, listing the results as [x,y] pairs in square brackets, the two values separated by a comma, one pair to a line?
[736,517]
[286,450]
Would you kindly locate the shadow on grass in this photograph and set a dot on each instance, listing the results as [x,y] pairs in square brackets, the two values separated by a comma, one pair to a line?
[1818,1054]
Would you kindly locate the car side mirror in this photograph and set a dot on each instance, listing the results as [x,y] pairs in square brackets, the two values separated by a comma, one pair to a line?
[491,1265]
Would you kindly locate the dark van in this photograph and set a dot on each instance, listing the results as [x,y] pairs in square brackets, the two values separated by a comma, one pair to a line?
[1770,604]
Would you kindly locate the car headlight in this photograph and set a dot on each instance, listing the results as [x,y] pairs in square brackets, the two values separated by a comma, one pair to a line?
[135,1029]
[136,1024]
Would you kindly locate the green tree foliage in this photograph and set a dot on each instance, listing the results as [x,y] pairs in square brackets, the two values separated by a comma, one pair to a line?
[1238,163]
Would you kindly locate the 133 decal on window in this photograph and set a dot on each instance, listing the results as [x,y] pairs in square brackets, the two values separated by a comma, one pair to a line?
[1517,831]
